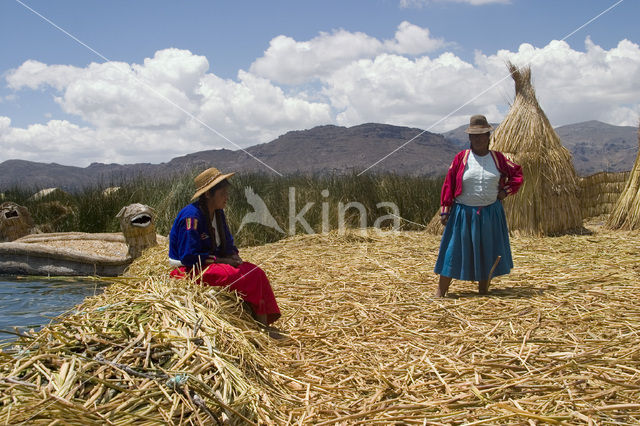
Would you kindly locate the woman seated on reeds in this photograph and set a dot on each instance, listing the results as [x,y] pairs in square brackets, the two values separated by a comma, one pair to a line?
[201,246]
[476,234]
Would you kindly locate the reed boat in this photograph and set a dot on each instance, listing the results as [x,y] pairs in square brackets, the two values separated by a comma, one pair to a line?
[74,253]
[65,254]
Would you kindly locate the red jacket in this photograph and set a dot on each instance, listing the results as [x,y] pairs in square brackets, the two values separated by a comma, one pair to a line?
[510,177]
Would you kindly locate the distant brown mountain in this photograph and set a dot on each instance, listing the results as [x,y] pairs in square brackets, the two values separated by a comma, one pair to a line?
[323,149]
[340,149]
[594,145]
[332,149]
[598,146]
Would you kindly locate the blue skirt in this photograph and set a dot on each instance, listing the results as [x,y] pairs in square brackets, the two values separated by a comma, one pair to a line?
[472,240]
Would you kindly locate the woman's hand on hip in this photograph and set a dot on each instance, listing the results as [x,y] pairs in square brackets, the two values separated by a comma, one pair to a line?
[502,194]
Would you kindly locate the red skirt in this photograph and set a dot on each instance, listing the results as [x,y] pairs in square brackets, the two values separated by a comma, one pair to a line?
[247,279]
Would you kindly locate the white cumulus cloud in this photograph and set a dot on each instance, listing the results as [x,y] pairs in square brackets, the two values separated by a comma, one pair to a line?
[169,105]
[440,93]
[574,86]
[420,92]
[292,62]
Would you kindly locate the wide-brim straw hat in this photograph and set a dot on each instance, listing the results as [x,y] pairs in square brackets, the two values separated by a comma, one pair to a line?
[207,180]
[478,125]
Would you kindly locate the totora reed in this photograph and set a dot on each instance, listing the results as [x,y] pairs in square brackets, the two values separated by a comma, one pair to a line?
[547,202]
[554,342]
[626,213]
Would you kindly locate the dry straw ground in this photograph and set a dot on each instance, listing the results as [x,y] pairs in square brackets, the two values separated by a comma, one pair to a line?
[556,341]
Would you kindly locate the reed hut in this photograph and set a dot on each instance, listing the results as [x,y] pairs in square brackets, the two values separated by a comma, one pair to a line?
[626,213]
[547,202]
[15,221]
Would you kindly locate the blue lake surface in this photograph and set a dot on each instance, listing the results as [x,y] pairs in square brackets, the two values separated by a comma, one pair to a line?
[26,303]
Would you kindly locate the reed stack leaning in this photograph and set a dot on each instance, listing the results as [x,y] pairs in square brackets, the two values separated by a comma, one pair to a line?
[626,213]
[547,202]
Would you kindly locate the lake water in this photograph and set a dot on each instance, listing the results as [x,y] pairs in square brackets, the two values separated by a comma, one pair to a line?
[27,304]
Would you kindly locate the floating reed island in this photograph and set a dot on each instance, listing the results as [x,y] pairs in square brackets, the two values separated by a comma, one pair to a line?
[556,341]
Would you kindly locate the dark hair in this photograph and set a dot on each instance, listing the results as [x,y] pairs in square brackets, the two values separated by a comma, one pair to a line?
[222,184]
[217,215]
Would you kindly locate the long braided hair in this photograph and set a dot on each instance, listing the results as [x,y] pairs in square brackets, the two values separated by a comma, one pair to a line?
[202,205]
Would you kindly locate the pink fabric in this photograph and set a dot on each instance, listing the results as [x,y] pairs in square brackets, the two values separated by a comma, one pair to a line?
[510,177]
[247,279]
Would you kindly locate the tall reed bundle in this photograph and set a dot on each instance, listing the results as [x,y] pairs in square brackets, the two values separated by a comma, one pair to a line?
[434,226]
[600,192]
[626,213]
[547,202]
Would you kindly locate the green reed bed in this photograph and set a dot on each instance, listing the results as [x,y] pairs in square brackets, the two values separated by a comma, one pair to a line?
[359,197]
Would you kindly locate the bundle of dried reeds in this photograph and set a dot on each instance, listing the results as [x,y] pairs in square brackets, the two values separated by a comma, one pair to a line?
[554,342]
[151,350]
[435,226]
[626,213]
[547,202]
[600,192]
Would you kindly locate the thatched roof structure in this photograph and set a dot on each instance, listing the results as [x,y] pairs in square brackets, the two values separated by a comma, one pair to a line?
[547,202]
[626,213]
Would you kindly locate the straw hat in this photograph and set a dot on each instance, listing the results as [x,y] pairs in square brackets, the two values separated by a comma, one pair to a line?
[478,124]
[207,180]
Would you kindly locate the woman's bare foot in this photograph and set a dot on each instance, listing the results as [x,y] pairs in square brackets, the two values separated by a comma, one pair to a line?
[443,286]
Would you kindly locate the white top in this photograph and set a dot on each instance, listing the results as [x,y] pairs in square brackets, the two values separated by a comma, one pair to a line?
[214,225]
[480,181]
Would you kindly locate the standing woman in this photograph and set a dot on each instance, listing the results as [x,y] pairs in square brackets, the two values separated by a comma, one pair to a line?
[200,244]
[476,231]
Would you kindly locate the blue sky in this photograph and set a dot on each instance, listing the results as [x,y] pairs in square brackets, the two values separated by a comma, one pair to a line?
[196,75]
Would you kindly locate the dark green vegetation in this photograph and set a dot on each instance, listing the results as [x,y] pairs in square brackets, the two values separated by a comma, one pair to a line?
[90,210]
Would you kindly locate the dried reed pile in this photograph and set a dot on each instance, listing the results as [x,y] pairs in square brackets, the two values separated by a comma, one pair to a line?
[435,227]
[626,213]
[149,351]
[554,342]
[599,192]
[547,202]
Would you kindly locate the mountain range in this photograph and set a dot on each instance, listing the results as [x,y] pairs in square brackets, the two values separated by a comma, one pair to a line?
[595,147]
